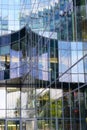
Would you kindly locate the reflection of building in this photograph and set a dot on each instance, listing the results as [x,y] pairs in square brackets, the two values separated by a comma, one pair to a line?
[44,86]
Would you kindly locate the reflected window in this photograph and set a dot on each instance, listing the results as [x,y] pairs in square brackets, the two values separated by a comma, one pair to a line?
[73,45]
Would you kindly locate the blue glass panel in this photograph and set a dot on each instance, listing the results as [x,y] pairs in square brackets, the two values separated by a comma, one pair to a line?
[4,50]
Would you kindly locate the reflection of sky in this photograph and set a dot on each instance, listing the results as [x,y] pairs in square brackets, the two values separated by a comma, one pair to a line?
[69,54]
[15,63]
[43,66]
[33,6]
[10,11]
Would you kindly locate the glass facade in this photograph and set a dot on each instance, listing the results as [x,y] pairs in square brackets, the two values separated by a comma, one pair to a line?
[11,17]
[43,65]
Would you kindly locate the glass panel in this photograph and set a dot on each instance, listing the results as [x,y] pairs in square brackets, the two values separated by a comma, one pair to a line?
[2,114]
[41,124]
[42,103]
[27,98]
[7,66]
[60,124]
[13,102]
[13,113]
[83,107]
[2,98]
[28,102]
[28,125]
[2,125]
[46,124]
[74,57]
[5,40]
[75,110]
[80,45]
[13,125]
[66,124]
[4,50]
[28,113]
[15,56]
[56,103]
[13,98]
[23,48]
[73,46]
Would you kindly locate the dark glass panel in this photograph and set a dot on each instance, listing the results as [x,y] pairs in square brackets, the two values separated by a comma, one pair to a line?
[22,33]
[4,40]
[14,37]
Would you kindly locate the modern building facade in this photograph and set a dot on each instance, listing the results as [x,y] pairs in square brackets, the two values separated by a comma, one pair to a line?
[43,65]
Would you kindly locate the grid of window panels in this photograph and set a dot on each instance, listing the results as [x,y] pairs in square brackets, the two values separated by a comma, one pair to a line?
[52,95]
